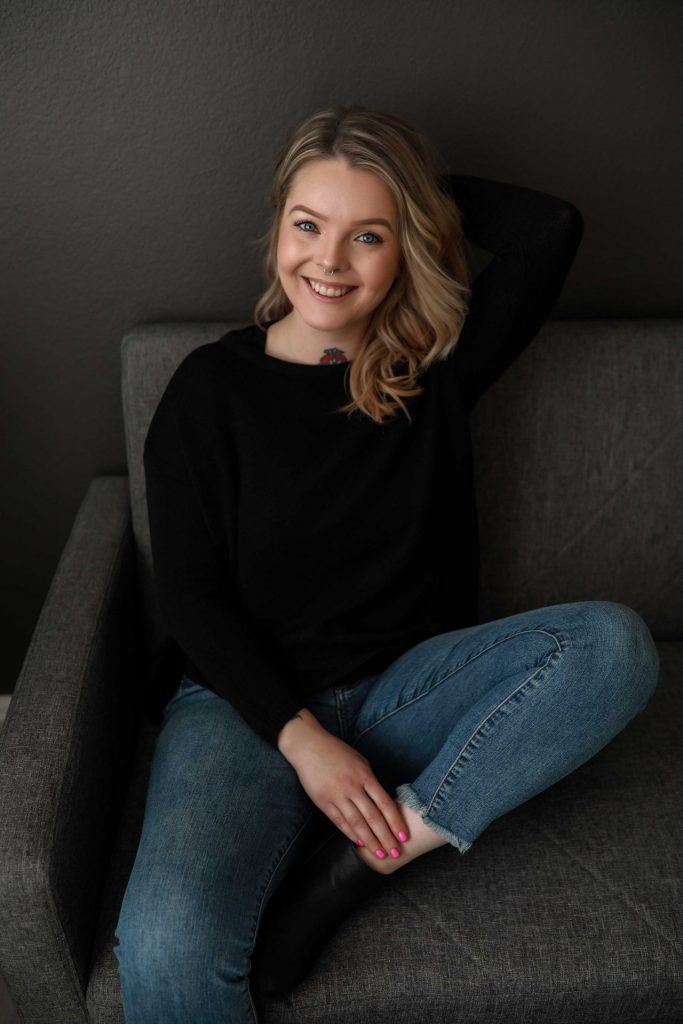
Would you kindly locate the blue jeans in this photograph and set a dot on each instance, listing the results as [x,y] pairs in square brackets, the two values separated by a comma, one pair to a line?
[463,727]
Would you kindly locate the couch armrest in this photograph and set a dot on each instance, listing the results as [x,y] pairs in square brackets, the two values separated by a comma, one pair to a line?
[66,750]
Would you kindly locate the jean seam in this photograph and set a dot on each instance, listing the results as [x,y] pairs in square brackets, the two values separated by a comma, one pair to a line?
[278,861]
[527,683]
[457,668]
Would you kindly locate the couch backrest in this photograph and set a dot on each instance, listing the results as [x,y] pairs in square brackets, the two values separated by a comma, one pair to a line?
[149,355]
[577,453]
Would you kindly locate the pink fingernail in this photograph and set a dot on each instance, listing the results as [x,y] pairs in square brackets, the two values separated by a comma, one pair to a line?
[395,853]
[402,836]
[380,854]
[360,842]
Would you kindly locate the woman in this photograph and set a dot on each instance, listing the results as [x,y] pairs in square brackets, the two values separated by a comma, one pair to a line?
[314,536]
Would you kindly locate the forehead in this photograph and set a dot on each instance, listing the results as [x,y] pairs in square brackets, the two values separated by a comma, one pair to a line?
[341,190]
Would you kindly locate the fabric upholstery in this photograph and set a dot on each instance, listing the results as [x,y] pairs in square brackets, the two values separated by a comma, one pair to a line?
[566,909]
[577,455]
[65,752]
[569,907]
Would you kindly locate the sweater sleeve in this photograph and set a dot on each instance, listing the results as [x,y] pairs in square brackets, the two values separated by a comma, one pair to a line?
[533,238]
[197,597]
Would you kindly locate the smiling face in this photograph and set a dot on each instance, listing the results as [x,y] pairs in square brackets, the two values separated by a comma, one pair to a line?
[344,234]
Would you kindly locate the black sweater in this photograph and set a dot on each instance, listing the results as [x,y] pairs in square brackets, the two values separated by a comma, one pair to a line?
[296,549]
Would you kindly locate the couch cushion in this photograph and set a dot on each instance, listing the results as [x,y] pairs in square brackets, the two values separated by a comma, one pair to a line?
[567,908]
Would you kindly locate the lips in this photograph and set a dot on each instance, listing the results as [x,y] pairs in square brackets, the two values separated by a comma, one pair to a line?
[329,300]
[330,284]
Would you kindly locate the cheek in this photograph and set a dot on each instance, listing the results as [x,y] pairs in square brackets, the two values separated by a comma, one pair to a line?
[286,245]
[281,252]
[383,269]
[290,257]
[380,278]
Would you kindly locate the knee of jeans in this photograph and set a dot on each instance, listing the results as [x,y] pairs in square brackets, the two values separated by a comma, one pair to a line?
[144,950]
[631,648]
[164,949]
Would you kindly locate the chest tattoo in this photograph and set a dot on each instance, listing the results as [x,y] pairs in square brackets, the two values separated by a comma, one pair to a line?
[333,355]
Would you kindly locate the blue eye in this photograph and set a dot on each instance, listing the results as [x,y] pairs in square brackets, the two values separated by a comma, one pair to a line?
[372,235]
[298,223]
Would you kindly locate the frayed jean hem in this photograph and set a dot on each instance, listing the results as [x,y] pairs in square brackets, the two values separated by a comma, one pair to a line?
[407,795]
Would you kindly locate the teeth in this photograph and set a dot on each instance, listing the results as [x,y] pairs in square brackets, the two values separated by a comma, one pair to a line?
[331,292]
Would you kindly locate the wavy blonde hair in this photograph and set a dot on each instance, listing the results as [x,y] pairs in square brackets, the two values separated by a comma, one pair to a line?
[420,318]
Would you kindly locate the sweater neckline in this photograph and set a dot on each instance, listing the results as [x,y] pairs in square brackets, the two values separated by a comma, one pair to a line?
[256,348]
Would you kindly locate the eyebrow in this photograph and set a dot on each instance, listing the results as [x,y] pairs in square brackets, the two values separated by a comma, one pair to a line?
[355,223]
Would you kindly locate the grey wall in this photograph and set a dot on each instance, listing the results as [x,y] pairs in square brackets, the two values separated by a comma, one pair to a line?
[136,145]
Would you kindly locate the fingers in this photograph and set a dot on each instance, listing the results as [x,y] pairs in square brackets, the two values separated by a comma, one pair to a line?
[380,811]
[377,821]
[389,808]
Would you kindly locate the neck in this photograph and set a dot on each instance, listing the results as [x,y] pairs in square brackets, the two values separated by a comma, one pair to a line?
[293,339]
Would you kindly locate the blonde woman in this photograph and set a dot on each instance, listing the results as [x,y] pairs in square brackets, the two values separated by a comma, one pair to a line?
[340,710]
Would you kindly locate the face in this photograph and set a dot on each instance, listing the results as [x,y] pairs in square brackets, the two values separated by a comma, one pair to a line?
[343,234]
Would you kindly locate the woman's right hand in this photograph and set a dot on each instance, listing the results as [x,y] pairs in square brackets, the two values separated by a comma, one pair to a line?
[341,783]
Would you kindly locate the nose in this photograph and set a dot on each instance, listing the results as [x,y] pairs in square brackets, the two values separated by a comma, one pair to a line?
[328,267]
[333,257]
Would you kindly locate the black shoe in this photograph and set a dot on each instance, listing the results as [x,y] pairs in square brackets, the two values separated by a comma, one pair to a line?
[310,904]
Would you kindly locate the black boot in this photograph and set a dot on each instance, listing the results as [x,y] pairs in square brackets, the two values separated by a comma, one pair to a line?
[306,910]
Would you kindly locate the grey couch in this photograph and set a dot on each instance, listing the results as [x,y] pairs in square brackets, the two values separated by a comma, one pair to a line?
[569,908]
